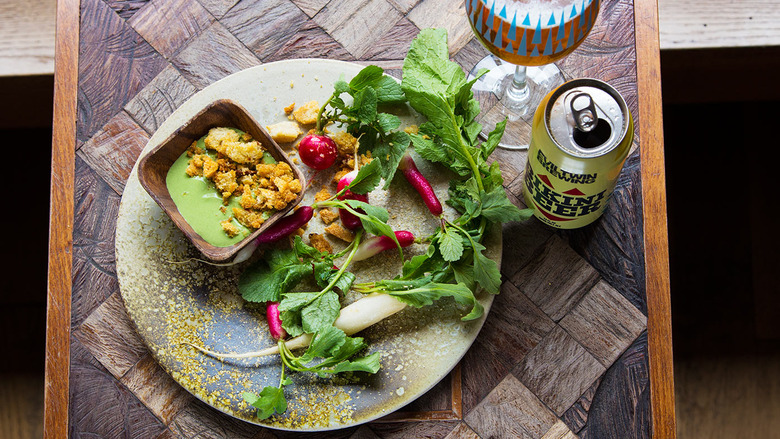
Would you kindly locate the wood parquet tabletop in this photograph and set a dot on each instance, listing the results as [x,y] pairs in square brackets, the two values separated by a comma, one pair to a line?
[578,342]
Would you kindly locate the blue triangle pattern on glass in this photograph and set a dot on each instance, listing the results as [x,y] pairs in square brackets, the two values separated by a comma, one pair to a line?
[498,41]
[551,21]
[572,31]
[538,34]
[502,14]
[561,29]
[573,11]
[560,48]
[522,49]
[527,20]
[509,48]
[535,52]
[478,22]
[548,47]
[512,35]
[491,16]
[582,16]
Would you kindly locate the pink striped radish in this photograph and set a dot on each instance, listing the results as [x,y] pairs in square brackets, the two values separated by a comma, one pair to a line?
[274,321]
[377,244]
[349,220]
[420,183]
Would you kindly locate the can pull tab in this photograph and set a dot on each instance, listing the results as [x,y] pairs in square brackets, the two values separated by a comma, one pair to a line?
[584,111]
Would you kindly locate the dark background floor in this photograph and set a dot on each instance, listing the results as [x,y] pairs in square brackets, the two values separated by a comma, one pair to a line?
[721,143]
[25,129]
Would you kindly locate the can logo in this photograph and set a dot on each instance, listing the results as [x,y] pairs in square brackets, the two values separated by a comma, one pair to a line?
[561,205]
[580,137]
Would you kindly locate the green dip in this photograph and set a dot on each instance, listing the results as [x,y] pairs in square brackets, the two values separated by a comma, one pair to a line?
[199,202]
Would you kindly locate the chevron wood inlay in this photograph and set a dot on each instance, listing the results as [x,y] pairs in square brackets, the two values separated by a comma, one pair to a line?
[563,353]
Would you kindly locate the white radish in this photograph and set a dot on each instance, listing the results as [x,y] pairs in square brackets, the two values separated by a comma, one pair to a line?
[353,318]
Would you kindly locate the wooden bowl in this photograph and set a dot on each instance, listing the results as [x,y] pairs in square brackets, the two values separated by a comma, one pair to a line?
[153,168]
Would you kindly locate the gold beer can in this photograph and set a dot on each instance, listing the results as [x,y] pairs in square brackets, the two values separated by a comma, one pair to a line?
[580,137]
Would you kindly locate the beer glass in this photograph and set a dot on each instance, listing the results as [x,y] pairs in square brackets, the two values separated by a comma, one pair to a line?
[525,38]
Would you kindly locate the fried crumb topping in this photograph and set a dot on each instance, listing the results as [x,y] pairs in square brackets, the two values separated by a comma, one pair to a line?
[306,114]
[328,216]
[238,172]
[340,232]
[320,243]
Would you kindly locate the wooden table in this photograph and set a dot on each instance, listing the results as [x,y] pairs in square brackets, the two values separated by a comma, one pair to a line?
[578,343]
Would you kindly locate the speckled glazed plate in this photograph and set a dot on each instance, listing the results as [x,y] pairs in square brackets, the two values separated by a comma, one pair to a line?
[173,300]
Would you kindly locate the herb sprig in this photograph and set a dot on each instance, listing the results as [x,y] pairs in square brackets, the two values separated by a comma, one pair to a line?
[437,88]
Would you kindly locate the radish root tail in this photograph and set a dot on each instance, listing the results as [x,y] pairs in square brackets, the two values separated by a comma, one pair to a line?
[220,355]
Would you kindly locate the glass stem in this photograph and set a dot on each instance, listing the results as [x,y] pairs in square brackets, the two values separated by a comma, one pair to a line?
[518,92]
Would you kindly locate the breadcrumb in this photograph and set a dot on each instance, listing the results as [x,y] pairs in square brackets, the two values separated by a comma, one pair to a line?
[339,175]
[240,148]
[289,109]
[346,143]
[320,243]
[340,232]
[251,219]
[307,113]
[412,129]
[230,229]
[284,132]
[262,187]
[328,216]
[322,195]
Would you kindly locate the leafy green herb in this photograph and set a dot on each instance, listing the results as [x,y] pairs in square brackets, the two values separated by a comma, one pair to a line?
[370,90]
[454,265]
[438,89]
[266,280]
[271,400]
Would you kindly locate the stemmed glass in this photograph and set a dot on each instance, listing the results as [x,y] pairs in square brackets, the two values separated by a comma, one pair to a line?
[525,38]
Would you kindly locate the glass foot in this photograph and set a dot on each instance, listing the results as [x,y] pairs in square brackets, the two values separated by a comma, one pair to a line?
[491,91]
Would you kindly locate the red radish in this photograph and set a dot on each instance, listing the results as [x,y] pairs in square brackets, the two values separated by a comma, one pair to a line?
[349,220]
[318,151]
[377,244]
[420,183]
[274,321]
[286,225]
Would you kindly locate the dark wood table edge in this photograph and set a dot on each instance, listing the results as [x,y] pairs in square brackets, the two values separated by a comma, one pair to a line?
[62,216]
[659,325]
[55,422]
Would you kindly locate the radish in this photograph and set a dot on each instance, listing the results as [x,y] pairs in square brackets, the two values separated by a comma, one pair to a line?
[352,319]
[349,220]
[377,244]
[420,183]
[285,226]
[317,151]
[274,321]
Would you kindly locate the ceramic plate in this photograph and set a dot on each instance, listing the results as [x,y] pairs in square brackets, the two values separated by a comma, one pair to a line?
[173,300]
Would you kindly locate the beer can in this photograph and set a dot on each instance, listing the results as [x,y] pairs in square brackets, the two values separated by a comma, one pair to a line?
[580,137]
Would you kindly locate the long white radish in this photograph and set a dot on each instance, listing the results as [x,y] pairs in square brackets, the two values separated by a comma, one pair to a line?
[353,318]
[367,311]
